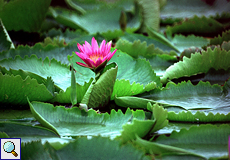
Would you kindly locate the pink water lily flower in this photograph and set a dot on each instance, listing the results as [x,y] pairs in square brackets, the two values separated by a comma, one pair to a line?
[95,57]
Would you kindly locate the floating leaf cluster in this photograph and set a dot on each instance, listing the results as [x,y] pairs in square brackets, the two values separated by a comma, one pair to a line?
[165,94]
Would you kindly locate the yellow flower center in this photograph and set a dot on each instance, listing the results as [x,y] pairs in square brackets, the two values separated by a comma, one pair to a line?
[95,57]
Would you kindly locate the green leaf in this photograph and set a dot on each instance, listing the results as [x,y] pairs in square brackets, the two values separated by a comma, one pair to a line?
[136,102]
[64,96]
[83,6]
[206,140]
[40,119]
[222,17]
[226,46]
[110,35]
[151,14]
[100,90]
[147,45]
[182,42]
[225,36]
[109,149]
[50,85]
[124,88]
[160,63]
[14,14]
[123,21]
[5,40]
[213,76]
[69,36]
[198,63]
[159,60]
[139,49]
[49,50]
[21,130]
[175,126]
[60,73]
[131,102]
[160,150]
[159,114]
[161,38]
[138,127]
[199,26]
[141,127]
[128,69]
[94,4]
[35,150]
[91,21]
[73,88]
[55,42]
[76,122]
[16,115]
[75,6]
[80,148]
[15,90]
[186,9]
[203,96]
[226,88]
[40,80]
[3,135]
[198,117]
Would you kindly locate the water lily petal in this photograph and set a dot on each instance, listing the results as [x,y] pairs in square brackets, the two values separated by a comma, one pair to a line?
[99,61]
[89,62]
[111,55]
[94,45]
[102,48]
[84,65]
[108,47]
[81,55]
[87,47]
[80,47]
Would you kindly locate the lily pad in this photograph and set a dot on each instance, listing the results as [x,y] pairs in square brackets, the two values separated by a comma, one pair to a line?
[49,50]
[137,102]
[152,43]
[225,36]
[184,9]
[3,135]
[198,117]
[70,37]
[16,115]
[124,88]
[35,150]
[5,40]
[159,150]
[202,96]
[150,13]
[60,73]
[21,89]
[92,20]
[140,127]
[200,26]
[159,60]
[81,147]
[206,140]
[182,42]
[76,122]
[20,130]
[14,14]
[198,63]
